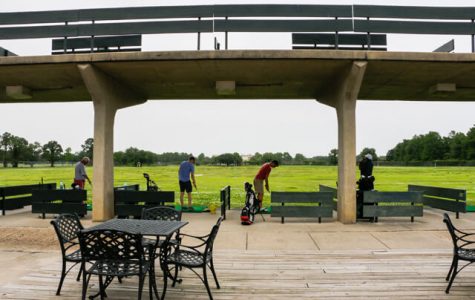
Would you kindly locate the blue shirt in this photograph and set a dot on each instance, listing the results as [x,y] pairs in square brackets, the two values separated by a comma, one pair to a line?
[186,168]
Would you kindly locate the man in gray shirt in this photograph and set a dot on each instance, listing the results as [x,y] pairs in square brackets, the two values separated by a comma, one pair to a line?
[80,175]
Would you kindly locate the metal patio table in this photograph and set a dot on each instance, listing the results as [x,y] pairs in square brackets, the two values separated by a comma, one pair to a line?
[156,228]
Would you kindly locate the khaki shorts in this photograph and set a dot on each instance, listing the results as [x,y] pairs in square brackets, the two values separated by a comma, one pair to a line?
[259,186]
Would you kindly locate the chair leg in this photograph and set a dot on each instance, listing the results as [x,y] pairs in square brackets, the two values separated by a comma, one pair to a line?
[451,269]
[165,278]
[101,287]
[205,281]
[454,273]
[176,276]
[63,274]
[79,275]
[211,266]
[141,281]
[85,282]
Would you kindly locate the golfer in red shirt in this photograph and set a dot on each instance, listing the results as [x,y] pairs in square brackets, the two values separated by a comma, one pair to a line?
[263,175]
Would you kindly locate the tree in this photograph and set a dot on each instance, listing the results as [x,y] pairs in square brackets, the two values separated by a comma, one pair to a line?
[333,157]
[365,151]
[69,155]
[52,152]
[18,149]
[300,159]
[87,148]
[5,141]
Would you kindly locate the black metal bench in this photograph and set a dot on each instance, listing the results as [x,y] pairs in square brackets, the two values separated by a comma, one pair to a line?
[354,41]
[97,44]
[225,199]
[131,203]
[310,205]
[395,204]
[443,198]
[16,197]
[59,201]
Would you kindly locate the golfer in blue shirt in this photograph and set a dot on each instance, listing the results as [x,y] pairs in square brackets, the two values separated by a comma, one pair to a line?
[186,170]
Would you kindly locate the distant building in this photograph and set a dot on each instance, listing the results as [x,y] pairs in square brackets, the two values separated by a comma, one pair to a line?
[246,157]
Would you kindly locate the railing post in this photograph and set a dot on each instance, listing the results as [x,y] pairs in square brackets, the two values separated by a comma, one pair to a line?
[226,38]
[199,36]
[473,42]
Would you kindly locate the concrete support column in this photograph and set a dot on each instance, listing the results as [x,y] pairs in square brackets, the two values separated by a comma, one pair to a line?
[343,98]
[108,95]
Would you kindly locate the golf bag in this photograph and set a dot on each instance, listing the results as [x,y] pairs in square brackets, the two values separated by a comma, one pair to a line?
[251,207]
[365,183]
[151,185]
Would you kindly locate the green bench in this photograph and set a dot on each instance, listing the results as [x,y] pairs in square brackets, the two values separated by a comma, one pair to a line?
[353,41]
[59,201]
[334,191]
[392,204]
[131,187]
[129,203]
[309,205]
[225,199]
[16,197]
[116,43]
[453,200]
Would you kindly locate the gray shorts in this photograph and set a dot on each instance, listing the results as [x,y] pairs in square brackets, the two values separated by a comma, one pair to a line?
[259,186]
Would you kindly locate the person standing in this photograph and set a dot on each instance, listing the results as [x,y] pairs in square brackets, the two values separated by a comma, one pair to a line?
[80,175]
[263,176]
[185,172]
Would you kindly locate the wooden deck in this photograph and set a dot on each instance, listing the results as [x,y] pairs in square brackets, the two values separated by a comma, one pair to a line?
[408,274]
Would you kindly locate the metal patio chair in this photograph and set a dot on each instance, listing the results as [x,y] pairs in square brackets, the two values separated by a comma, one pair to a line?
[66,227]
[113,253]
[192,256]
[162,213]
[463,250]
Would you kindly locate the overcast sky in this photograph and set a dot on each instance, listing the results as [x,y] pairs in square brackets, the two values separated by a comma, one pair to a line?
[214,127]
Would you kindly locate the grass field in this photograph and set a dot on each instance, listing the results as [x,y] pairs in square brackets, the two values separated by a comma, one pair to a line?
[285,178]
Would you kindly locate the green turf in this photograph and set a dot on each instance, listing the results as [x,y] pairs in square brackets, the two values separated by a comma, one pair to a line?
[285,178]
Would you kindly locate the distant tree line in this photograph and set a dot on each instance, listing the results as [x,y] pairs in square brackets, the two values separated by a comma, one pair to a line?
[456,147]
[15,149]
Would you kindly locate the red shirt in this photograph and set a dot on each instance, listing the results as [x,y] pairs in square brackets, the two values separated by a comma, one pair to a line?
[264,171]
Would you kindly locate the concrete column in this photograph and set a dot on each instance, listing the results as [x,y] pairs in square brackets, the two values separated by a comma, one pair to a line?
[108,95]
[343,98]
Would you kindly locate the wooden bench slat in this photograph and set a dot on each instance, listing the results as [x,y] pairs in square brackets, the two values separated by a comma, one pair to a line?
[325,198]
[99,42]
[302,211]
[370,211]
[59,208]
[343,39]
[449,205]
[392,197]
[439,192]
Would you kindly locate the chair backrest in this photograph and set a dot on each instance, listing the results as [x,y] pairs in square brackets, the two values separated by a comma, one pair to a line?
[452,230]
[67,227]
[212,237]
[111,245]
[161,213]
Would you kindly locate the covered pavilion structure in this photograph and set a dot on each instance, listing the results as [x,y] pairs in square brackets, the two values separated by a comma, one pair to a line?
[335,77]
[114,81]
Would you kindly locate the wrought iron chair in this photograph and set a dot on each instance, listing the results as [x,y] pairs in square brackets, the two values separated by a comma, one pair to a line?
[192,257]
[463,250]
[112,253]
[163,213]
[66,227]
